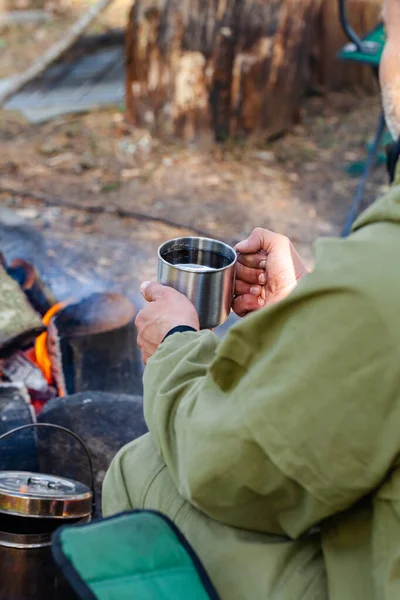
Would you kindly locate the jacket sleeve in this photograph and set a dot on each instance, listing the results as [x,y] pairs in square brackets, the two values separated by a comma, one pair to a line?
[291,418]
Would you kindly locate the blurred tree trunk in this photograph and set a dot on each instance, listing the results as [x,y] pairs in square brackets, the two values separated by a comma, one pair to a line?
[212,69]
[218,68]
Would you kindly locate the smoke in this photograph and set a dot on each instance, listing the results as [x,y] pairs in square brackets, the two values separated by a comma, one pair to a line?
[69,266]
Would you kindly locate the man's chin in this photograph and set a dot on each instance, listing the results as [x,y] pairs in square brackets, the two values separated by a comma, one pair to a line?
[394,128]
[391,109]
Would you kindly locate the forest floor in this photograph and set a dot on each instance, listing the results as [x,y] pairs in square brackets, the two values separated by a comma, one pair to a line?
[298,185]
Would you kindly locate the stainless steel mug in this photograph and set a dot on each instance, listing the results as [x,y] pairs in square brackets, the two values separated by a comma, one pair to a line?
[203,270]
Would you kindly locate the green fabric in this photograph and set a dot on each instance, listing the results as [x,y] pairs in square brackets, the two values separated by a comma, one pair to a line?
[289,423]
[349,52]
[134,556]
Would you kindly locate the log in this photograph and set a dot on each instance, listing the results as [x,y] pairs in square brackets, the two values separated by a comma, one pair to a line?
[105,422]
[219,69]
[19,369]
[19,323]
[38,294]
[92,346]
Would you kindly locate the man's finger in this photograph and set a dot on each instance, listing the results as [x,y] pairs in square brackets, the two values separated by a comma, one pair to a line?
[241,288]
[151,290]
[252,260]
[247,303]
[249,275]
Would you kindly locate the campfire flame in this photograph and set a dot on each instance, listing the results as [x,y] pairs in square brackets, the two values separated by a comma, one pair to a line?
[41,353]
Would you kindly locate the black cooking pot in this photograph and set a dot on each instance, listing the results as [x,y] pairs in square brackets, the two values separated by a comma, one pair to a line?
[32,507]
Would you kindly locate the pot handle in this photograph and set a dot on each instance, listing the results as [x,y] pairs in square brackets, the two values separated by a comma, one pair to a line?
[65,430]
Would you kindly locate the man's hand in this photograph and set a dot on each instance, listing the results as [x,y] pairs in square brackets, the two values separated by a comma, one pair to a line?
[167,309]
[268,269]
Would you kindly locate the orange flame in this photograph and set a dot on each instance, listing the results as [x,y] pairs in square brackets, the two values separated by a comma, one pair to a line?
[41,353]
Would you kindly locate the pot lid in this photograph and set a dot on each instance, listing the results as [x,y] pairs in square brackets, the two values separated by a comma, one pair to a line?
[39,495]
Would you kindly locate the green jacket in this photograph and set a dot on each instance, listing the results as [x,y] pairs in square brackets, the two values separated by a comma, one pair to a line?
[293,421]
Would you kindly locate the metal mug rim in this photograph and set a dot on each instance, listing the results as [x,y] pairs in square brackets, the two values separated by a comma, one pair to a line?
[197,237]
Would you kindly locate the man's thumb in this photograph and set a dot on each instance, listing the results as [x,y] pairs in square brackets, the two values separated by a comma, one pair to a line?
[151,290]
[242,246]
[251,245]
[259,239]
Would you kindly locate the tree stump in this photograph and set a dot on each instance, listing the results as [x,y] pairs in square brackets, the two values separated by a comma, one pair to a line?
[215,69]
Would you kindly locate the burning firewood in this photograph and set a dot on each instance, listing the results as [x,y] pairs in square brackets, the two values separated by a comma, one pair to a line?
[87,344]
[19,322]
[39,296]
[20,369]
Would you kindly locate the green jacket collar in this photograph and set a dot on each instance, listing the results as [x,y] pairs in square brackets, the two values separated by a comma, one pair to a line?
[386,209]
